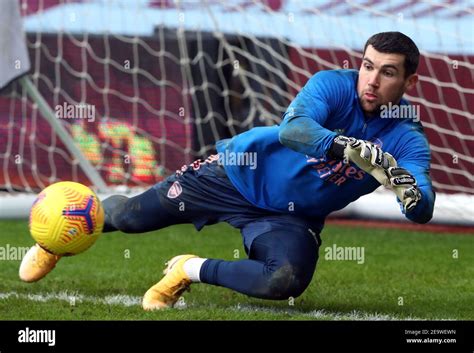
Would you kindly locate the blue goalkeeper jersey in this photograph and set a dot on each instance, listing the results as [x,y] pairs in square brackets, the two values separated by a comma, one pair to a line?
[286,168]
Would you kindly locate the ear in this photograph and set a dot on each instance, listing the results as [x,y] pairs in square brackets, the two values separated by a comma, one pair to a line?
[411,81]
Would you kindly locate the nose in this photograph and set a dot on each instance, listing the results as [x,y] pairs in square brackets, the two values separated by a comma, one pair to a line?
[373,79]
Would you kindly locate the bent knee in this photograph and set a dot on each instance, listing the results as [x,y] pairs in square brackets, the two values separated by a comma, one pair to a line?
[123,215]
[127,223]
[126,219]
[287,281]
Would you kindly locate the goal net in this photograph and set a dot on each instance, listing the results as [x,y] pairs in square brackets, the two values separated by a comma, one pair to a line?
[145,86]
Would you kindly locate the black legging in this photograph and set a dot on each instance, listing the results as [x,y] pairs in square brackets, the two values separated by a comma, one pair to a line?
[281,265]
[138,214]
[282,259]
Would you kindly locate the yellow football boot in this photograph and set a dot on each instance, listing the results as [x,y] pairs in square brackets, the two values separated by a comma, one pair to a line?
[37,263]
[166,292]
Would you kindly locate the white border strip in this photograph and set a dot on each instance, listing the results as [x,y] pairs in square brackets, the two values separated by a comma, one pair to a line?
[322,314]
[73,298]
[127,301]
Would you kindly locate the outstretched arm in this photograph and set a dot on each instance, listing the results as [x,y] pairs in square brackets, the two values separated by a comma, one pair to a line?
[303,134]
[302,128]
[408,176]
[415,158]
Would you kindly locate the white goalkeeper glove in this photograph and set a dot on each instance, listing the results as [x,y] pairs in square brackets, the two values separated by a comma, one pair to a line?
[365,155]
[381,165]
[404,186]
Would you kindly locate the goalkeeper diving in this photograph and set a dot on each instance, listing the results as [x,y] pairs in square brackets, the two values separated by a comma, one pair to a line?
[332,147]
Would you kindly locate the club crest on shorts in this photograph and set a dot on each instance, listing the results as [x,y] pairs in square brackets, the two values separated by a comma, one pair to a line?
[175,190]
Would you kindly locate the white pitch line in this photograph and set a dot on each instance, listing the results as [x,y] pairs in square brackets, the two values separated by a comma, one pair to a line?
[127,301]
[72,298]
[354,315]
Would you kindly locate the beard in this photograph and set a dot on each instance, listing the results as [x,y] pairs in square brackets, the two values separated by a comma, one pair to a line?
[369,108]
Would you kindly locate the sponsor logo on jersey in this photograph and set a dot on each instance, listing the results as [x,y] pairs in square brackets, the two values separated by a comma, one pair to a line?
[334,171]
[175,190]
[197,164]
[337,172]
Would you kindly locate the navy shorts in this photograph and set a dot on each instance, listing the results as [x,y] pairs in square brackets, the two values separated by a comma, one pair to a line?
[202,194]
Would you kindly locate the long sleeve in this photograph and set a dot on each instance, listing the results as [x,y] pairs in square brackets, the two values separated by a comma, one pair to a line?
[302,128]
[303,134]
[415,157]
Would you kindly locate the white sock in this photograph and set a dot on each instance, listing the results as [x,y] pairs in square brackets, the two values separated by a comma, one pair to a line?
[192,267]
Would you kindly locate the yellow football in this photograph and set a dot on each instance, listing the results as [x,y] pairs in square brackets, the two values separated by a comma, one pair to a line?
[66,218]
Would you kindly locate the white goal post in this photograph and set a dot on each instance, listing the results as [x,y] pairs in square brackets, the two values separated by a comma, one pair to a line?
[139,88]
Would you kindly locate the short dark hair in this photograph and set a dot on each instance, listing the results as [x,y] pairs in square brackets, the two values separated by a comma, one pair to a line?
[396,43]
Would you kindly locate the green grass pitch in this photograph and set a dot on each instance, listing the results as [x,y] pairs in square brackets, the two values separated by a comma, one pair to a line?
[405,275]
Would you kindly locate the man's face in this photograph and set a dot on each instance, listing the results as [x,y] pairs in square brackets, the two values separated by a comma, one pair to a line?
[382,80]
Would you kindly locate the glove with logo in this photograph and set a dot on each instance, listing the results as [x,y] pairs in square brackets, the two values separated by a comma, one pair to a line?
[381,165]
[404,186]
[365,155]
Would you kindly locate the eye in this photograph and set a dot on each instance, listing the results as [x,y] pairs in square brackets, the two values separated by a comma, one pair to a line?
[367,66]
[388,73]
